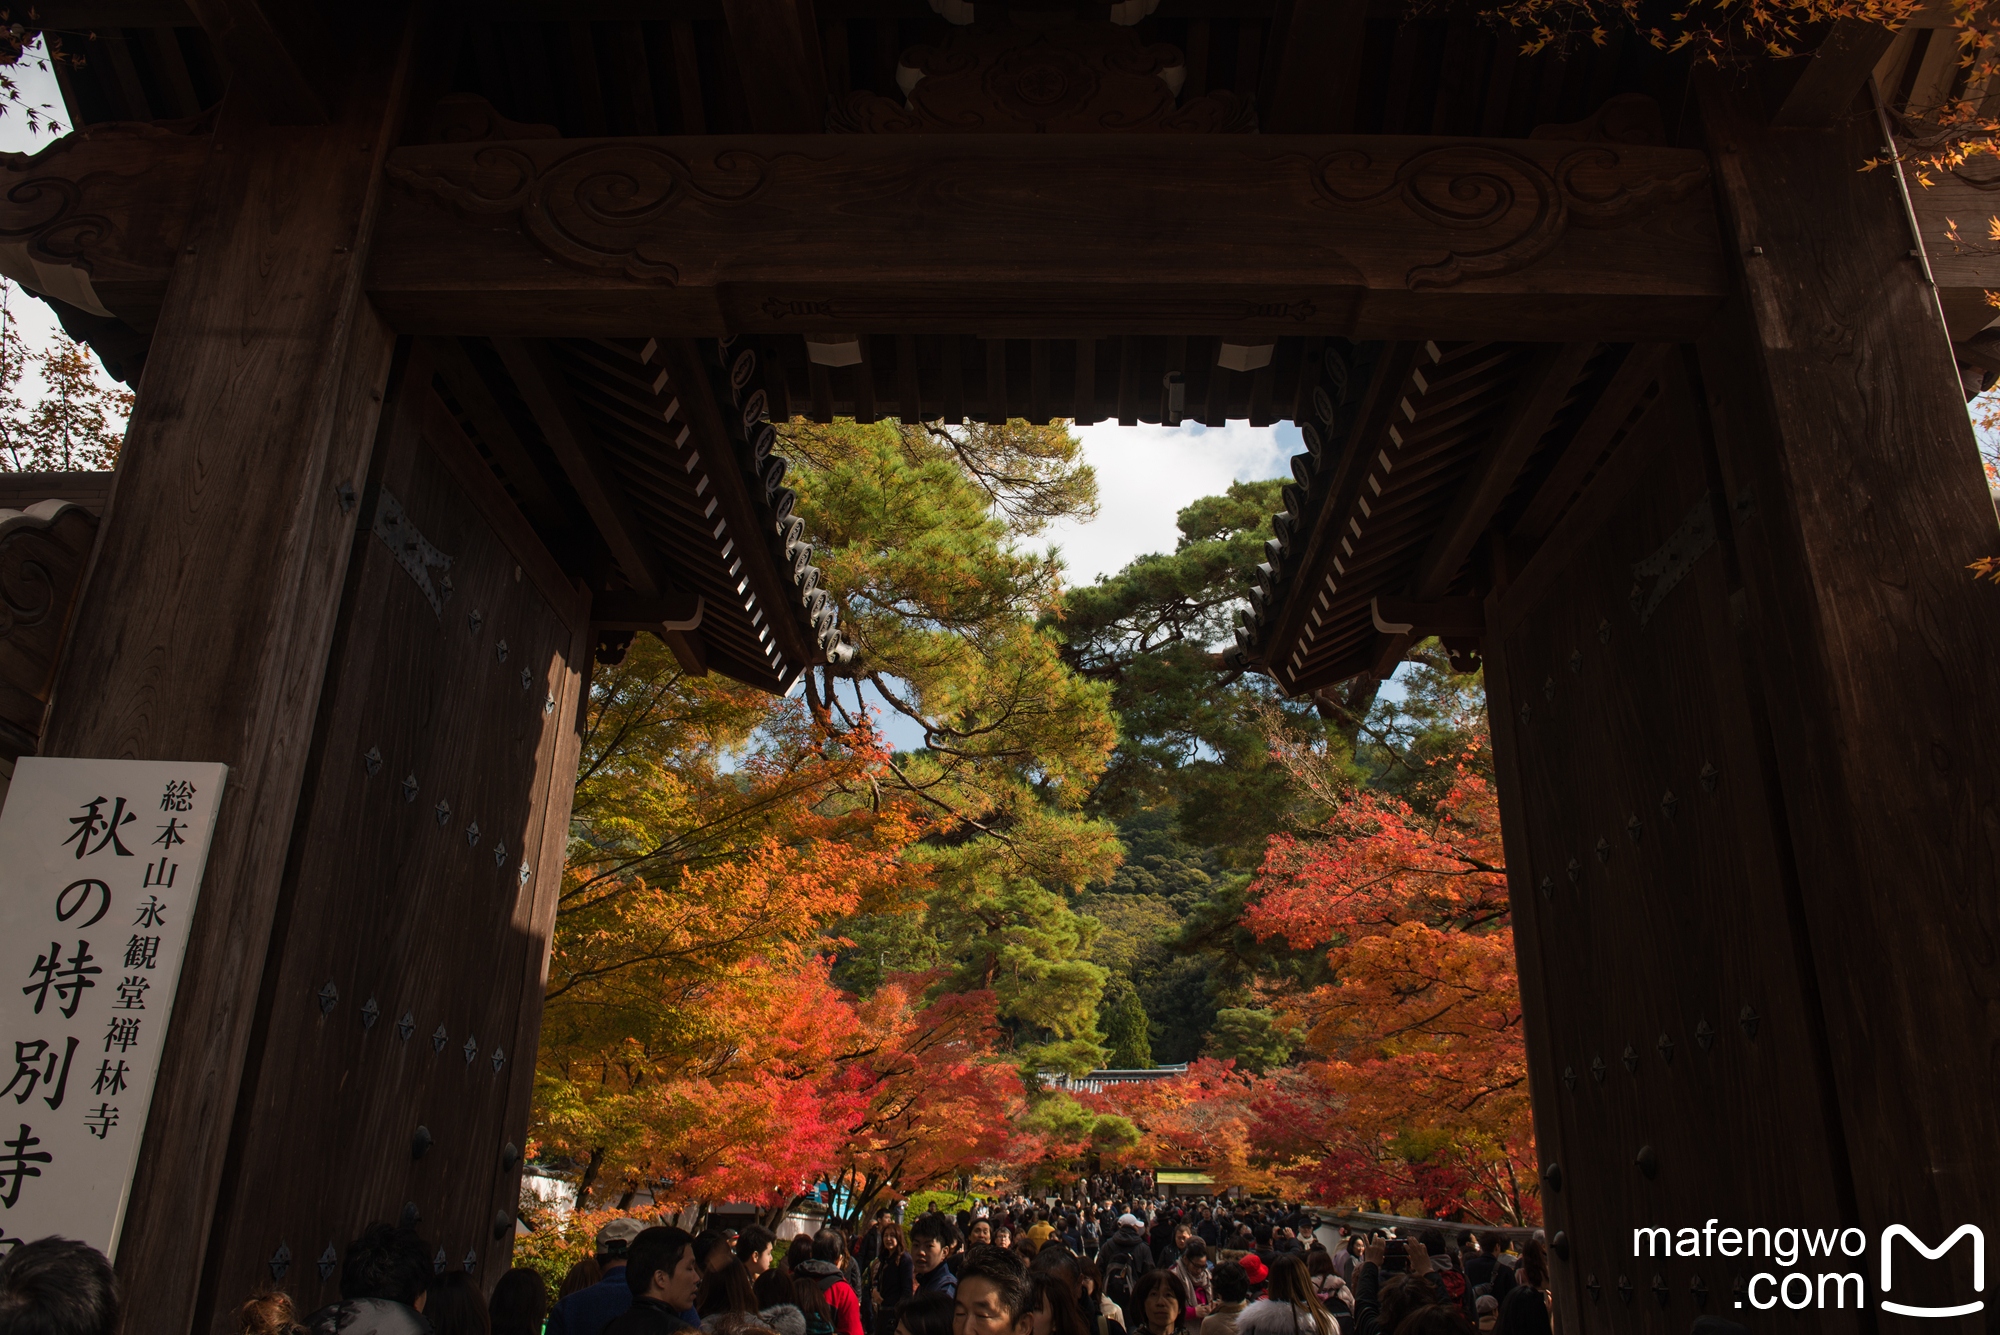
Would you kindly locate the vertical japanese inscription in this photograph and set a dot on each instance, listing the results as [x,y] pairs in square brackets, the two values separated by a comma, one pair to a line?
[102,863]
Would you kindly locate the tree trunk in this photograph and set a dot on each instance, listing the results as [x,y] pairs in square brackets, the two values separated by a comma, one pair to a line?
[589,1178]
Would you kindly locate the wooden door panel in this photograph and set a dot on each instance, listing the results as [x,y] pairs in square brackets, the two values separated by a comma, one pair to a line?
[1675,1039]
[394,1052]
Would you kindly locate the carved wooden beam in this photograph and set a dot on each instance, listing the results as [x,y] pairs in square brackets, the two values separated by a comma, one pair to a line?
[96,219]
[1050,236]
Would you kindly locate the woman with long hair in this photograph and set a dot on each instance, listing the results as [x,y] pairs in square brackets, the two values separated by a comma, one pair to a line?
[727,1288]
[1160,1301]
[926,1313]
[1052,1304]
[454,1305]
[892,1275]
[1290,1307]
[1327,1284]
[519,1303]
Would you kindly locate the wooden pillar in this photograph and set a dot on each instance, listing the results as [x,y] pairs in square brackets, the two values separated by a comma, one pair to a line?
[204,629]
[1844,445]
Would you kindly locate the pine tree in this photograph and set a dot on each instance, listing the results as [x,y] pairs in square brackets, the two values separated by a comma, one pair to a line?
[1125,1033]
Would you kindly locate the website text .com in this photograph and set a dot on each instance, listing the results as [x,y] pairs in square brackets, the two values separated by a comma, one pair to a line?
[1829,1285]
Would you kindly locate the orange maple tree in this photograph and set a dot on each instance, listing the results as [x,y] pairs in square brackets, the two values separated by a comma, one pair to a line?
[1417,1082]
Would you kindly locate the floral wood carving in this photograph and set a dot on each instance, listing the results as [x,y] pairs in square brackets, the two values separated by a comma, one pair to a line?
[42,554]
[1076,78]
[1519,209]
[599,208]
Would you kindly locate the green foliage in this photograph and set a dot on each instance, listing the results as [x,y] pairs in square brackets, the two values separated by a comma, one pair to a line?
[916,531]
[1125,1033]
[1252,1038]
[1155,632]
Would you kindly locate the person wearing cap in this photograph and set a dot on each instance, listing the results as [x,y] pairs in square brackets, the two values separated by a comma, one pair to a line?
[589,1311]
[1486,1311]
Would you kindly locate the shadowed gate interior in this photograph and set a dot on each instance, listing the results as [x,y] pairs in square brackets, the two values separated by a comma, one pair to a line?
[1613,374]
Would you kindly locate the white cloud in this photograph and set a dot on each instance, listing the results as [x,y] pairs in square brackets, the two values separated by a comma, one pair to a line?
[1146,474]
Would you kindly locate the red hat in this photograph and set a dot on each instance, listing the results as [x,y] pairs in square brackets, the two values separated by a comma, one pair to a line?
[1254,1268]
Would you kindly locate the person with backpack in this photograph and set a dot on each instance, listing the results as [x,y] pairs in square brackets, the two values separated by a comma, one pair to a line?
[1123,1260]
[1444,1270]
[828,1300]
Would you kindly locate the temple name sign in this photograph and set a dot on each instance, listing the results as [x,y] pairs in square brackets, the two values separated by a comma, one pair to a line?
[100,865]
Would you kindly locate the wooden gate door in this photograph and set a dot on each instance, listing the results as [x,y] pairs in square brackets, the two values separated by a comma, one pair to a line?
[390,1071]
[1676,1046]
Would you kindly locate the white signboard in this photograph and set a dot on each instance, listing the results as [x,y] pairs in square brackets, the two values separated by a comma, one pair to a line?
[100,863]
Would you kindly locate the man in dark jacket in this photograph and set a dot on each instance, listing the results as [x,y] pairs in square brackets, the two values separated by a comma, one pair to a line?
[589,1311]
[1122,1261]
[382,1284]
[931,1241]
[661,1272]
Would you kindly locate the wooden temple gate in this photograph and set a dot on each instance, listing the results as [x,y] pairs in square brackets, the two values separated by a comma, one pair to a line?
[460,329]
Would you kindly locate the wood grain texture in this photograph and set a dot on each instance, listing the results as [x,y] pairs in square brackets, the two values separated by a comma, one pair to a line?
[206,619]
[1653,901]
[421,890]
[1289,234]
[1838,410]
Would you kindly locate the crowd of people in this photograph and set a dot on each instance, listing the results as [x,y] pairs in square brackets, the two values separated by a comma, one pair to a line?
[1083,1266]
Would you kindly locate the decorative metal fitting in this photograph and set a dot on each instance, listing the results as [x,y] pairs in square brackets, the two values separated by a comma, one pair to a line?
[1526,713]
[1596,1289]
[1625,1290]
[439,1039]
[1569,1077]
[503,1224]
[510,1155]
[345,491]
[1709,777]
[1700,1292]
[1548,888]
[1635,827]
[406,1026]
[411,1215]
[370,1014]
[1749,1019]
[1660,1290]
[329,1261]
[525,873]
[1603,849]
[1666,1047]
[471,1049]
[1669,804]
[472,835]
[410,786]
[329,997]
[1637,598]
[1553,1175]
[527,679]
[445,589]
[443,810]
[420,1143]
[499,852]
[500,649]
[474,621]
[437,1262]
[497,1060]
[471,1259]
[1604,632]
[1631,1059]
[1549,689]
[280,1262]
[1597,1069]
[1648,1161]
[549,706]
[1559,1244]
[371,760]
[1575,871]
[1576,662]
[1704,1034]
